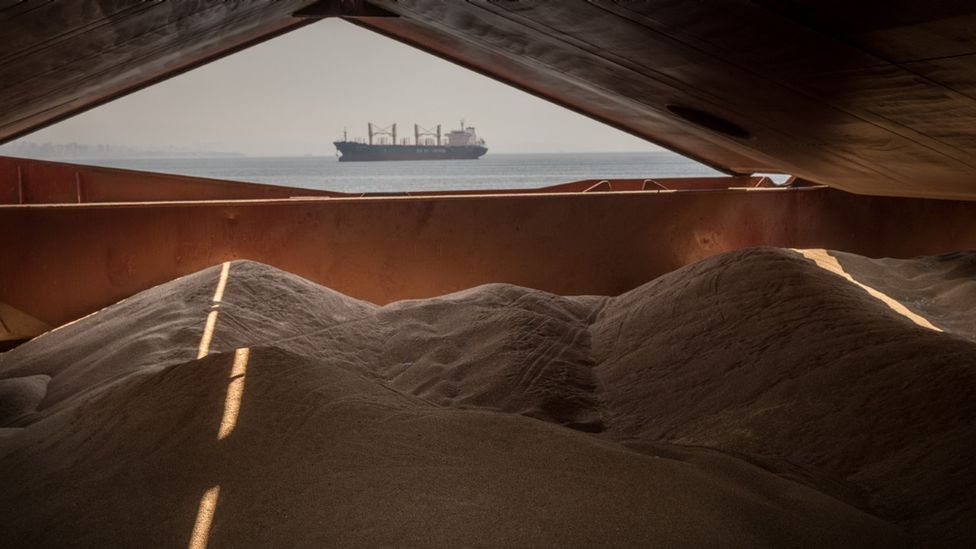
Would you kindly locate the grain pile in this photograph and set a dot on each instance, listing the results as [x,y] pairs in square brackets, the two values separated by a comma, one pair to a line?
[753,399]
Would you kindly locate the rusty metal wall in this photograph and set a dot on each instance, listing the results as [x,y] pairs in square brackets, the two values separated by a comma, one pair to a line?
[59,262]
[26,181]
[29,181]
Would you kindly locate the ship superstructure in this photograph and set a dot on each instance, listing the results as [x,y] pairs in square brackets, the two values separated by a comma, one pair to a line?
[428,144]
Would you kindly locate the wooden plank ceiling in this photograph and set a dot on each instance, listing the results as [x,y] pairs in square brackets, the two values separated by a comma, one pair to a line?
[867,97]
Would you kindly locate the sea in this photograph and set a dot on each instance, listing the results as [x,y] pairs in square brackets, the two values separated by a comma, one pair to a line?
[492,171]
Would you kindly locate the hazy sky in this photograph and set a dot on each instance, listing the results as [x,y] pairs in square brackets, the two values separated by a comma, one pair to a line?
[294,94]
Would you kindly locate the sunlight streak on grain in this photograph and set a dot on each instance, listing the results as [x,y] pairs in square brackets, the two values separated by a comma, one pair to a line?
[208,329]
[201,527]
[204,347]
[825,261]
[222,283]
[208,503]
[235,390]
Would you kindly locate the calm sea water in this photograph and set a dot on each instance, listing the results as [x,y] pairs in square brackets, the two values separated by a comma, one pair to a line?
[492,171]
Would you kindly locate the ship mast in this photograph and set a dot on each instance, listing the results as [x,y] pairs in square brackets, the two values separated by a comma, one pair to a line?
[376,131]
[419,132]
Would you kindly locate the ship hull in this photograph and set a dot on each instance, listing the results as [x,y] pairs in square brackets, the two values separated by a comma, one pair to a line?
[361,152]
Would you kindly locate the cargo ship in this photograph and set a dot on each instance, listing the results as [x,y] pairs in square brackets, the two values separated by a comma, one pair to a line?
[381,144]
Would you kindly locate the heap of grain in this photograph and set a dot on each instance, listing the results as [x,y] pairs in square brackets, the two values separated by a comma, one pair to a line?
[754,399]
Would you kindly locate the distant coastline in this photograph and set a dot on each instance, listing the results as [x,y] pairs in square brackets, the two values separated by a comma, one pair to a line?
[74,151]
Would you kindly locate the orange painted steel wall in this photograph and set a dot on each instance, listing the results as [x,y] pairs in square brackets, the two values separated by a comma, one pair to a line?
[61,262]
[29,181]
[25,181]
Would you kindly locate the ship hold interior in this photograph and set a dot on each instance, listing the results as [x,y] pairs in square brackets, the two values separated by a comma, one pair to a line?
[686,362]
